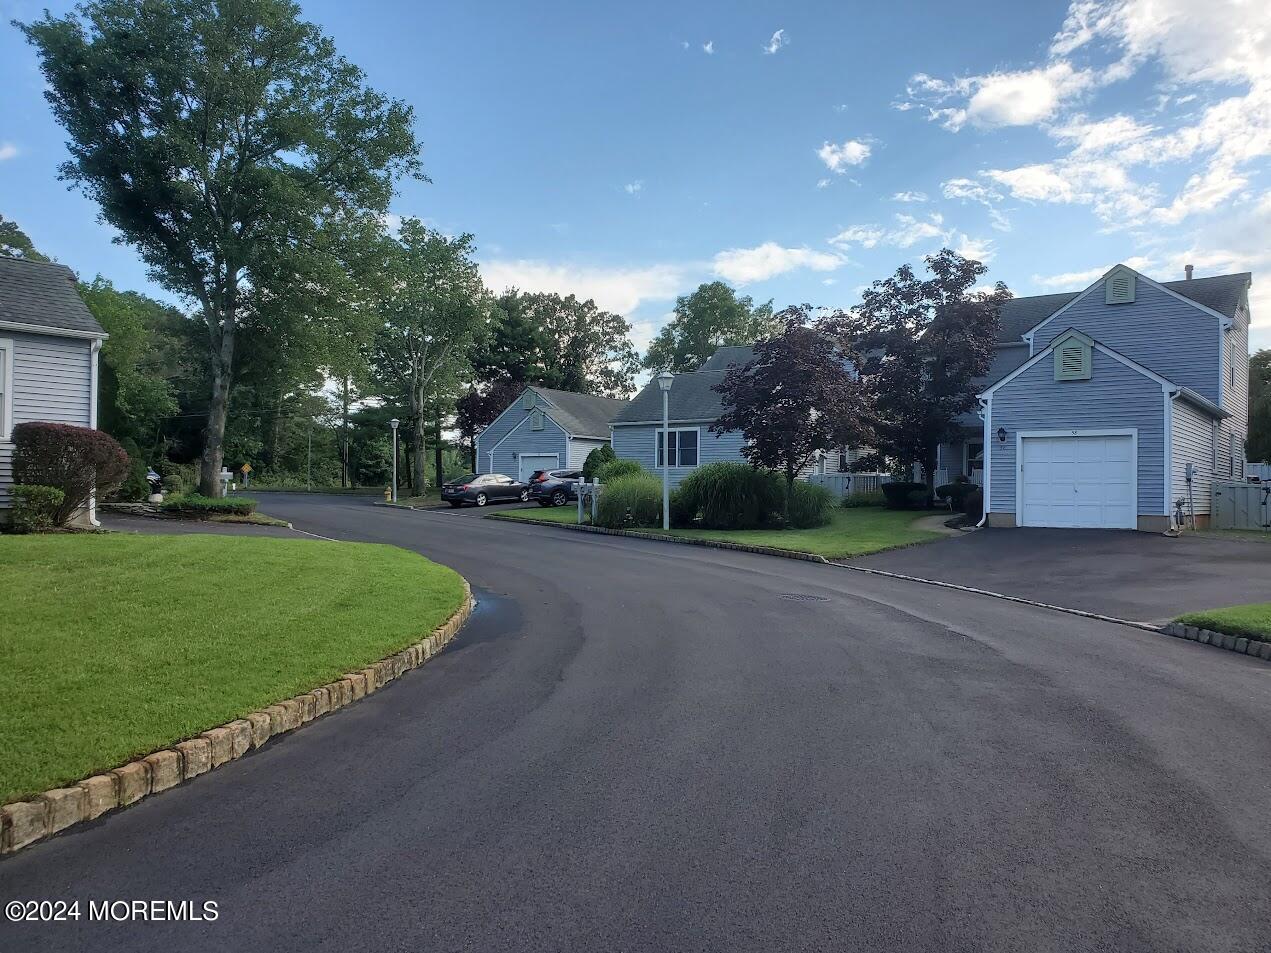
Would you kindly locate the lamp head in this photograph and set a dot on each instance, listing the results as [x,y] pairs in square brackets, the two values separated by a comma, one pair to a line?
[394,422]
[665,380]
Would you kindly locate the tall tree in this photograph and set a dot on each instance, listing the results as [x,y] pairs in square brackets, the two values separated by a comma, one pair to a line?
[927,341]
[711,316]
[432,310]
[1258,446]
[15,243]
[799,397]
[230,144]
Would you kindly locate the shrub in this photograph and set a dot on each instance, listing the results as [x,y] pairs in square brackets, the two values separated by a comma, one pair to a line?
[810,505]
[864,498]
[75,460]
[733,496]
[195,505]
[973,504]
[597,459]
[135,486]
[634,500]
[681,515]
[35,508]
[617,469]
[903,496]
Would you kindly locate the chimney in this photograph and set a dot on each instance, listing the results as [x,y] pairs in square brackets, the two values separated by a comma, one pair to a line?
[1187,270]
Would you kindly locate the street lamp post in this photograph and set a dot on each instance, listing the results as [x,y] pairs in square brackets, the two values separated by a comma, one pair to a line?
[665,380]
[393,423]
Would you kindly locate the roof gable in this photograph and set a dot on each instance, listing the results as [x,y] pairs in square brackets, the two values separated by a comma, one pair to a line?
[580,415]
[41,296]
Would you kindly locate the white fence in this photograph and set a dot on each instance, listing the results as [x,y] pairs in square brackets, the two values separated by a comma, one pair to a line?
[1241,506]
[845,484]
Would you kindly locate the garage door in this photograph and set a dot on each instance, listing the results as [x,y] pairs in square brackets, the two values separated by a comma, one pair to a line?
[1078,482]
[529,462]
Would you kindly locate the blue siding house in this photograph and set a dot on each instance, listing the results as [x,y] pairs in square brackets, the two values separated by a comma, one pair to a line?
[49,344]
[545,429]
[1107,406]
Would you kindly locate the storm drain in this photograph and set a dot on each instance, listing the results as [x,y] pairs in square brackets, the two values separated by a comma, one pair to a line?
[803,597]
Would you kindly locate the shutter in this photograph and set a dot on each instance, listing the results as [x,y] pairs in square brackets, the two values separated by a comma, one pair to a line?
[1072,361]
[528,400]
[1119,288]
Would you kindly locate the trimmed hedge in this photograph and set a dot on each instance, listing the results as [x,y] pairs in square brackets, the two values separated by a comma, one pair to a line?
[617,469]
[194,504]
[75,460]
[732,496]
[597,459]
[630,502]
[973,504]
[904,496]
[810,506]
[955,492]
[35,508]
[864,498]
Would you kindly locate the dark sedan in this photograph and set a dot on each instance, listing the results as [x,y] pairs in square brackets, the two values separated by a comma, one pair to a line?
[555,487]
[482,488]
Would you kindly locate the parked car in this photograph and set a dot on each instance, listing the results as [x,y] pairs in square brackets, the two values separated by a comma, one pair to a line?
[555,487]
[482,488]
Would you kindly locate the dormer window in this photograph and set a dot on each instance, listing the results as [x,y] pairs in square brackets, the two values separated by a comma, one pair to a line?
[1118,288]
[1072,358]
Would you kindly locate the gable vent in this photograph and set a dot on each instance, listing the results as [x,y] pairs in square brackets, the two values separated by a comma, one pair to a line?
[1119,288]
[1072,361]
[528,400]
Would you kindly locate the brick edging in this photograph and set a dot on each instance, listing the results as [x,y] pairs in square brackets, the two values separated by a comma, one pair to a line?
[24,822]
[1223,640]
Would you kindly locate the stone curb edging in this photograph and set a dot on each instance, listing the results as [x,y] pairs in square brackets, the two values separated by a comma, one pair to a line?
[1223,640]
[23,823]
[1232,643]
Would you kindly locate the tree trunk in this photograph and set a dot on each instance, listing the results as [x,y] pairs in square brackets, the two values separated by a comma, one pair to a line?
[419,465]
[791,473]
[344,436]
[218,409]
[436,452]
[928,464]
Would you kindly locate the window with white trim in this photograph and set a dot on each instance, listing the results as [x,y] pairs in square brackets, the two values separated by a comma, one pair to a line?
[683,447]
[6,389]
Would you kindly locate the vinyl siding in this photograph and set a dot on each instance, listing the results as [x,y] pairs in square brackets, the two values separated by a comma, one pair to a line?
[1235,398]
[1171,337]
[1115,398]
[500,428]
[521,440]
[1192,440]
[579,447]
[639,443]
[52,380]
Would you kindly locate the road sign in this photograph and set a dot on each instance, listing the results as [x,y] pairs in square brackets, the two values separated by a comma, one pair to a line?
[246,468]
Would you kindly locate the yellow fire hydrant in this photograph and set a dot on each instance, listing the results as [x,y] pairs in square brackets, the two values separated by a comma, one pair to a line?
[388,494]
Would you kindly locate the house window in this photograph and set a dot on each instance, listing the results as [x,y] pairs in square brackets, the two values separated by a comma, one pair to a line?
[683,448]
[1072,360]
[1231,365]
[536,419]
[6,387]
[974,458]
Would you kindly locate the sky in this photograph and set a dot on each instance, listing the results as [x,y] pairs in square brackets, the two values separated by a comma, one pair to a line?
[798,151]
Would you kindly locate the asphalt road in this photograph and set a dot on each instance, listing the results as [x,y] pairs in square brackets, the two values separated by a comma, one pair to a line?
[640,746]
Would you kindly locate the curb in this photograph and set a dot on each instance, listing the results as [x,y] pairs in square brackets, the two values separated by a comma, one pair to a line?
[1232,643]
[23,823]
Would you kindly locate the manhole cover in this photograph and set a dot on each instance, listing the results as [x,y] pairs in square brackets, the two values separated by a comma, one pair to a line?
[803,597]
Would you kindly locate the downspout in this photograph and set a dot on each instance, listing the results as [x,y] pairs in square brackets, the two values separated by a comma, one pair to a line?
[92,421]
[987,415]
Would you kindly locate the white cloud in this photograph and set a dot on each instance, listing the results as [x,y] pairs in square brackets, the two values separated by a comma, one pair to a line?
[906,231]
[838,158]
[969,190]
[778,40]
[1075,280]
[980,249]
[1017,98]
[709,47]
[822,183]
[620,290]
[8,151]
[867,236]
[745,265]
[909,197]
[632,188]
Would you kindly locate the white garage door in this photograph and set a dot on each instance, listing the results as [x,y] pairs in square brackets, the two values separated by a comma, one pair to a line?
[1078,482]
[529,462]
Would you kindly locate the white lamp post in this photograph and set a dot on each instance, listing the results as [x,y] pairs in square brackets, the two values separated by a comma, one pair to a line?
[393,423]
[665,380]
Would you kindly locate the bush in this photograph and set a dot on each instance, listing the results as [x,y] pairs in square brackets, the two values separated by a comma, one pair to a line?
[955,492]
[904,496]
[681,515]
[630,501]
[617,469]
[35,508]
[732,496]
[597,459]
[135,486]
[973,504]
[810,505]
[195,505]
[864,498]
[75,460]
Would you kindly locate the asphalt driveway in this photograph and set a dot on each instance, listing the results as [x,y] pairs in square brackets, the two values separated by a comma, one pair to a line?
[640,746]
[1139,576]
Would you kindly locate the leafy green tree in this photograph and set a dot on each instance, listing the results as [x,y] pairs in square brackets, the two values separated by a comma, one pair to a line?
[432,310]
[1258,446]
[231,145]
[598,458]
[711,316]
[15,243]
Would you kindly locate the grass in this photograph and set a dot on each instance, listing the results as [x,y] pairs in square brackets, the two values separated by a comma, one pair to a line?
[251,519]
[852,532]
[1251,621]
[116,645]
[1245,535]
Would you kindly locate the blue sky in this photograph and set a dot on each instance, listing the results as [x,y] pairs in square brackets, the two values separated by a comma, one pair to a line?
[799,151]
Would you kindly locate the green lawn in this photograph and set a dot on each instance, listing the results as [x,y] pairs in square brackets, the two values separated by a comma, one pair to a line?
[1252,621]
[115,645]
[853,532]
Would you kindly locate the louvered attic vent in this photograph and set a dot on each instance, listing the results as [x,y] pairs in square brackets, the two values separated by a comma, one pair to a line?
[1119,288]
[1072,360]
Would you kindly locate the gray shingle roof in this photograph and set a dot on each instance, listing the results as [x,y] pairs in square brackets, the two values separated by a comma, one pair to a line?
[691,399]
[727,355]
[43,294]
[582,415]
